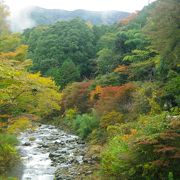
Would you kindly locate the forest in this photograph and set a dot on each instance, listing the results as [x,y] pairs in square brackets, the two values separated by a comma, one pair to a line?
[50,16]
[115,86]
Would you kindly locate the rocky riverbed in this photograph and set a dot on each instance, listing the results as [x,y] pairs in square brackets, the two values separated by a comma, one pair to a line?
[49,153]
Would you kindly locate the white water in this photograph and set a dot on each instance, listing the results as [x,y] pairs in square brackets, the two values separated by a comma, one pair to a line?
[35,156]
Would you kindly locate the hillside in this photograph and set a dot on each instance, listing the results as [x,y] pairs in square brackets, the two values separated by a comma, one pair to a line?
[86,101]
[50,16]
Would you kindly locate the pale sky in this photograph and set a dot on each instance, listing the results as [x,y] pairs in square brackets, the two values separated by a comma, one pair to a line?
[96,5]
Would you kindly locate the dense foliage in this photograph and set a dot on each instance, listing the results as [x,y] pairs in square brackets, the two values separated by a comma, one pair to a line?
[131,105]
[120,87]
[61,46]
[23,96]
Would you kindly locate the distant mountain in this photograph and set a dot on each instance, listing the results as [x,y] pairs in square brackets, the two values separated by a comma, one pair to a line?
[49,16]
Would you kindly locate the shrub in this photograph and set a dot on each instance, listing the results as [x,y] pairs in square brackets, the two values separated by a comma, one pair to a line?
[112,98]
[172,91]
[110,79]
[76,96]
[8,139]
[98,136]
[115,159]
[111,118]
[146,100]
[113,131]
[70,115]
[147,149]
[84,124]
[8,153]
[20,124]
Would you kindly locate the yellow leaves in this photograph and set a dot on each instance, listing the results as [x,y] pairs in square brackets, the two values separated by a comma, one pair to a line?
[95,93]
[33,76]
[155,107]
[9,42]
[25,91]
[7,55]
[127,137]
[20,124]
[133,132]
[3,125]
[38,79]
[19,54]
[21,91]
[47,102]
[4,116]
[22,65]
[10,48]
[70,114]
[122,69]
[113,130]
[111,118]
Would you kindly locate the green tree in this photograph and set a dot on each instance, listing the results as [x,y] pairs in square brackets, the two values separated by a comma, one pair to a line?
[66,74]
[9,42]
[106,61]
[163,29]
[23,92]
[64,40]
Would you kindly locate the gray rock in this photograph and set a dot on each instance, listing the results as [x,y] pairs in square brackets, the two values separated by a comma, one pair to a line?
[27,144]
[45,145]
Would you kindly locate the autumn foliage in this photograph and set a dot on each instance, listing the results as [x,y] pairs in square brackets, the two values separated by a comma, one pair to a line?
[122,69]
[128,19]
[111,118]
[111,98]
[76,95]
[128,101]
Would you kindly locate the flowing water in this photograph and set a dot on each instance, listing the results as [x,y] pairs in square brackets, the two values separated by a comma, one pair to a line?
[46,149]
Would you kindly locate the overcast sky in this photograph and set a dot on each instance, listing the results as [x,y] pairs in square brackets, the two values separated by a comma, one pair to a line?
[97,5]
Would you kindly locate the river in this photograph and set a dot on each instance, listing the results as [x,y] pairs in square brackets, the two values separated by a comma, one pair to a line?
[47,151]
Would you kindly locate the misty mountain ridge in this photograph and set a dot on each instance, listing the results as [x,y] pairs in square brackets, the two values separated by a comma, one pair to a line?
[44,16]
[33,16]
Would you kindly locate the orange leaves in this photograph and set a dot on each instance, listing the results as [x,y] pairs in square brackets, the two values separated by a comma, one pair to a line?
[4,116]
[122,69]
[115,91]
[3,121]
[130,18]
[111,98]
[18,54]
[102,99]
[83,88]
[126,137]
[76,95]
[3,124]
[95,93]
